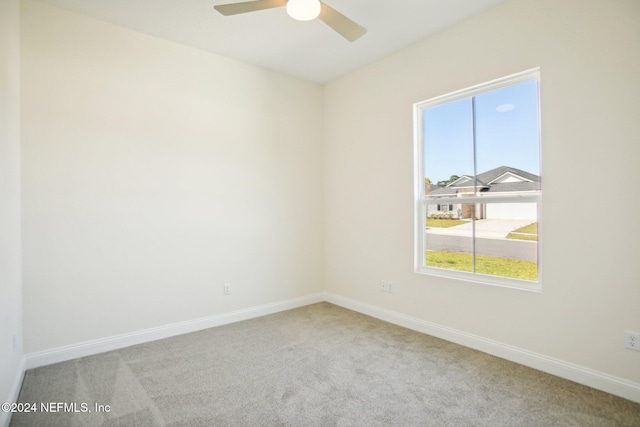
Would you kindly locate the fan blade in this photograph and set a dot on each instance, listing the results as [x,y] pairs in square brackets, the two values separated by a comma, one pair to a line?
[248,6]
[341,24]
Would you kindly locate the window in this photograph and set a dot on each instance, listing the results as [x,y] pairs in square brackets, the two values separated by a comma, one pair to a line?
[477,183]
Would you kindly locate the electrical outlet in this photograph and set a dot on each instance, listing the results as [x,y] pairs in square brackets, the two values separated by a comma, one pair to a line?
[632,340]
[227,288]
[386,286]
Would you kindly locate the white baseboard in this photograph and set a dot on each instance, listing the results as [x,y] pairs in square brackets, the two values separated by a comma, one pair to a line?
[589,377]
[88,348]
[5,417]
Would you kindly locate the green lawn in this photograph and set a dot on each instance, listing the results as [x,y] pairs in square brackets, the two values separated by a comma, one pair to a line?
[444,223]
[504,267]
[528,232]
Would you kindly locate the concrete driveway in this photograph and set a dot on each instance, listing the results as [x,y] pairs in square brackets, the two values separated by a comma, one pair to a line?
[485,228]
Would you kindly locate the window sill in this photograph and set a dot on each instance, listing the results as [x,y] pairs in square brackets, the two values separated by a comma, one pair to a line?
[483,279]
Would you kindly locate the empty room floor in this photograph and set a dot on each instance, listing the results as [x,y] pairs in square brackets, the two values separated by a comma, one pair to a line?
[319,365]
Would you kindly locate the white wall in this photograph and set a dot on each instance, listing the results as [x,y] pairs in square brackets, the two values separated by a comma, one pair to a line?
[590,86]
[10,264]
[153,173]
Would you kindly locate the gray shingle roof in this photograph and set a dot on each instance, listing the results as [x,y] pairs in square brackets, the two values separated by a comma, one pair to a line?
[513,186]
[442,191]
[493,174]
[485,181]
[463,181]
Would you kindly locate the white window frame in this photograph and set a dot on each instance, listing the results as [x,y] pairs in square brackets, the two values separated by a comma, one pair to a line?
[420,197]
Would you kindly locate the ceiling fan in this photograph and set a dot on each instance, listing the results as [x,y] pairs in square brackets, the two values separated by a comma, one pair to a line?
[302,10]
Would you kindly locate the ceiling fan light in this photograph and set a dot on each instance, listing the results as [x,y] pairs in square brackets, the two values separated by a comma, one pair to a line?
[303,10]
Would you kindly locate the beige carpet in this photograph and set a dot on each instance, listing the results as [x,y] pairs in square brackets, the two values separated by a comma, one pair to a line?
[319,365]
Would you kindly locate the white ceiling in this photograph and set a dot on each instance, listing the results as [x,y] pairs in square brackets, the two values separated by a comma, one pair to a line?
[271,39]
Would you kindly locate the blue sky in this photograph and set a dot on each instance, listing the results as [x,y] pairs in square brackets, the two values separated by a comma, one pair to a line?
[506,133]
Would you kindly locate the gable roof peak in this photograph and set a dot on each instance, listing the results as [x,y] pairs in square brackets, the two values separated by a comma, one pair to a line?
[460,180]
[493,174]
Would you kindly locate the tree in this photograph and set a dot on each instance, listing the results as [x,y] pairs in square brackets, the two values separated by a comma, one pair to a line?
[448,181]
[427,184]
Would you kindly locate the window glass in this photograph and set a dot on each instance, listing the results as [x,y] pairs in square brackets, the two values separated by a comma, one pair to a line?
[507,128]
[448,134]
[449,241]
[478,175]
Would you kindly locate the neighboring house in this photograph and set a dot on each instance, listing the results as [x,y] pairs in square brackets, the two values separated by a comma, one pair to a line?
[503,180]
